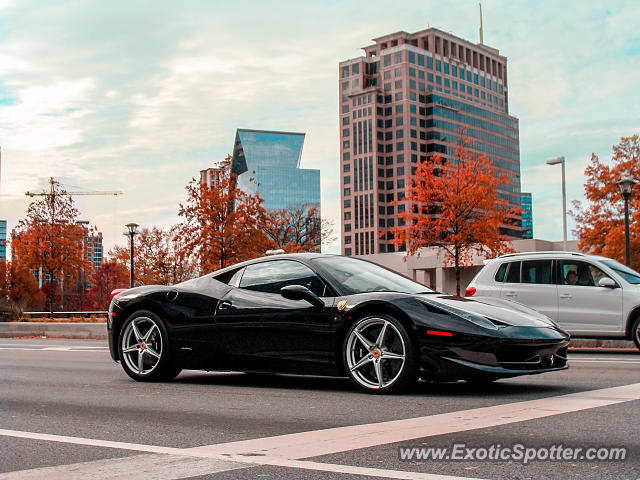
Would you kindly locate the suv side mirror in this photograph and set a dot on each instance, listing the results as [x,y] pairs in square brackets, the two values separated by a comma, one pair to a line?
[299,292]
[607,282]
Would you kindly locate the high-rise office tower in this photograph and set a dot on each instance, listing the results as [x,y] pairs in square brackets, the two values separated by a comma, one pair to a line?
[527,215]
[268,163]
[404,101]
[3,239]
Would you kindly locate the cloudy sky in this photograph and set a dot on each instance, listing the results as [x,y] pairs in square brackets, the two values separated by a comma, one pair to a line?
[139,96]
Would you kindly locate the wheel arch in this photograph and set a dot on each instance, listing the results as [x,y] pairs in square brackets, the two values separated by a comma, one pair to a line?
[127,312]
[631,318]
[371,307]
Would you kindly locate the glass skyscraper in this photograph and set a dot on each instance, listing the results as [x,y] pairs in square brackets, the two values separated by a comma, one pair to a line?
[268,163]
[527,215]
[3,239]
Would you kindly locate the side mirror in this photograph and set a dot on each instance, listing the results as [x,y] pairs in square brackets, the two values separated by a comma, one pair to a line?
[606,282]
[298,292]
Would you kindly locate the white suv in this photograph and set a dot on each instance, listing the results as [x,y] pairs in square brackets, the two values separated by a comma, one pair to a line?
[589,296]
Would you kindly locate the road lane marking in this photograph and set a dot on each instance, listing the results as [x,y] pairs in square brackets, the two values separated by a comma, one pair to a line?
[334,440]
[86,469]
[167,467]
[58,349]
[288,450]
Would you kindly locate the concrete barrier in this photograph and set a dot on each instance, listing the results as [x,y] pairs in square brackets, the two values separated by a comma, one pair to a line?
[97,331]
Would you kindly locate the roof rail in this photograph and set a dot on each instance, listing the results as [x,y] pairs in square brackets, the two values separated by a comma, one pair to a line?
[544,252]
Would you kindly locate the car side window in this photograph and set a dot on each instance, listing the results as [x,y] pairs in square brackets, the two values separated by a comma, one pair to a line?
[537,272]
[514,273]
[581,274]
[500,274]
[270,277]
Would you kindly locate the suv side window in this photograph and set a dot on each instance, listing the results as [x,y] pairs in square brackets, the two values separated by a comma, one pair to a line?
[578,273]
[514,273]
[500,274]
[537,272]
[271,276]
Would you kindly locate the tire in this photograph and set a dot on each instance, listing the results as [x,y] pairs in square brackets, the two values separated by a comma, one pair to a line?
[379,356]
[635,332]
[144,350]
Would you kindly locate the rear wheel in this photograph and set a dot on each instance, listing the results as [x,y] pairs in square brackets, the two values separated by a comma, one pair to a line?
[635,332]
[144,348]
[379,355]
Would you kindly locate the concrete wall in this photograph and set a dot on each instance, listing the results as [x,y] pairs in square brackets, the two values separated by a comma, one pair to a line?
[429,266]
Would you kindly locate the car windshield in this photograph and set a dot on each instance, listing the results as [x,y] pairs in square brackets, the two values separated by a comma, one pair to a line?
[625,272]
[359,276]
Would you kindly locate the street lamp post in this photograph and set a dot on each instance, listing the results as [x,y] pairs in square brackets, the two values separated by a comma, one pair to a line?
[556,161]
[626,184]
[133,231]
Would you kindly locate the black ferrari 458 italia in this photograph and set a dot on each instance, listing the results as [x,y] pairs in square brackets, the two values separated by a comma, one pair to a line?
[327,315]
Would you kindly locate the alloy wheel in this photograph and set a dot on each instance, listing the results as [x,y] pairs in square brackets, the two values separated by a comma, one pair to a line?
[142,345]
[376,353]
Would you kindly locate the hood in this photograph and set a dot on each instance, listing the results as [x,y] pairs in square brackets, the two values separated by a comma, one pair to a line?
[495,309]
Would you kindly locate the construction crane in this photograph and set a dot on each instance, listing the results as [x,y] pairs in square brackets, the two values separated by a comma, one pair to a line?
[52,191]
[51,195]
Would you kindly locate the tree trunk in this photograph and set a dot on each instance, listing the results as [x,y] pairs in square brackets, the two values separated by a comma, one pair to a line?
[457,273]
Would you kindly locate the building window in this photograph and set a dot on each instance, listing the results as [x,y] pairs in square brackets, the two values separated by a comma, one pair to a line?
[347,192]
[347,203]
[355,69]
[347,180]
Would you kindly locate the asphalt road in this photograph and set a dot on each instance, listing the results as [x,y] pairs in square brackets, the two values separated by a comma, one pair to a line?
[67,411]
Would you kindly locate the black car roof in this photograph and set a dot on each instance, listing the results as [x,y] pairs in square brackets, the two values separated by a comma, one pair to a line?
[281,256]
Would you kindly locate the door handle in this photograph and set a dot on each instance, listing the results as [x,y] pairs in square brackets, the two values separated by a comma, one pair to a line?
[511,294]
[224,305]
[565,295]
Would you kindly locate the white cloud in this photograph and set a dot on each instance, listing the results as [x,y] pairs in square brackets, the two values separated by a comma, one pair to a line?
[117,96]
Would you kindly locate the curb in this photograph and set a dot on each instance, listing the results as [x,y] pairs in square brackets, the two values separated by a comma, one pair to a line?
[600,343]
[98,331]
[76,330]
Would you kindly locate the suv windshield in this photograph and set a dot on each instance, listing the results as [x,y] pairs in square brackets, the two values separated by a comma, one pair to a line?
[359,276]
[625,272]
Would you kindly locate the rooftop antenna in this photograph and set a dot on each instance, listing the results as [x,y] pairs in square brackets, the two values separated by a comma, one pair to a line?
[481,39]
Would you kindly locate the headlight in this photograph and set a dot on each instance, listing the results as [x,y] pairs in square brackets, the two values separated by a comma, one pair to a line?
[479,320]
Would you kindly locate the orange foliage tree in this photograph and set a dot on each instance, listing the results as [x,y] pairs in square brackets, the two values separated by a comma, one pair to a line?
[222,225]
[455,206]
[106,278]
[600,223]
[295,230]
[49,238]
[18,287]
[159,258]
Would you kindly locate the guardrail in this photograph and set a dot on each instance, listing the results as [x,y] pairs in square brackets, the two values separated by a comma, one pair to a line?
[63,314]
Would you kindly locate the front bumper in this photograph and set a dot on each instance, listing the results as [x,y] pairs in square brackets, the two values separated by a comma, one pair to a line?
[512,352]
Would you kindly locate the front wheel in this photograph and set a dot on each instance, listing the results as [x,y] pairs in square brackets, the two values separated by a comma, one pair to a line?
[144,348]
[379,355]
